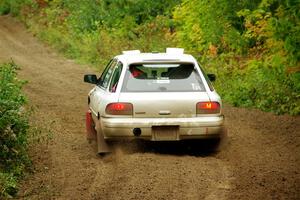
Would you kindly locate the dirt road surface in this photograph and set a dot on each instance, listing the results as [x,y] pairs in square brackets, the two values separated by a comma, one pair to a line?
[261,158]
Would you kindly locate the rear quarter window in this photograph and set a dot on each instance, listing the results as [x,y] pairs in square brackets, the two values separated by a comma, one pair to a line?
[115,77]
[106,75]
[162,77]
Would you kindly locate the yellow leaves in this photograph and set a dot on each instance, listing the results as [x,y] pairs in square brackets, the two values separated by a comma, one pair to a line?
[258,27]
[196,33]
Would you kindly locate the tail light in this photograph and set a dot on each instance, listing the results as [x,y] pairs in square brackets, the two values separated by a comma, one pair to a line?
[119,109]
[208,107]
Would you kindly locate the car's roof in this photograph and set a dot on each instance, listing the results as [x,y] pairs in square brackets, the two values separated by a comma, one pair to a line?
[137,57]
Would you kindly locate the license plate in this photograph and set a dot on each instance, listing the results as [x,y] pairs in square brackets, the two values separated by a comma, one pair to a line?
[165,133]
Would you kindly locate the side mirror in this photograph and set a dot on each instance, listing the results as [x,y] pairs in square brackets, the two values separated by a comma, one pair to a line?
[211,77]
[90,78]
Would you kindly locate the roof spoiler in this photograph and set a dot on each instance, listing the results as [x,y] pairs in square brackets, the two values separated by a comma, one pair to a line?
[131,52]
[175,51]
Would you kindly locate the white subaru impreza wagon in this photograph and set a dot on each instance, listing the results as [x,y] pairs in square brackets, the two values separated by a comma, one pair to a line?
[153,96]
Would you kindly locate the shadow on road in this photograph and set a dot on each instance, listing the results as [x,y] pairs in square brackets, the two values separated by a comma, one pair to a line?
[199,148]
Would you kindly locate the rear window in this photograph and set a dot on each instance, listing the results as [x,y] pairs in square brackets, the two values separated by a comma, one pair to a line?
[155,77]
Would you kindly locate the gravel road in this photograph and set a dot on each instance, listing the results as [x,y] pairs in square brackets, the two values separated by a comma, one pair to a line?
[260,158]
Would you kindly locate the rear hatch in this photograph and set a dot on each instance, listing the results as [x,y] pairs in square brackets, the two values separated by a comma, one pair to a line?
[163,89]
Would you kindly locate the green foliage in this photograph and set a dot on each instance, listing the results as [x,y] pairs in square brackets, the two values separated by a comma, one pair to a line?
[92,31]
[13,6]
[253,46]
[269,89]
[8,185]
[13,130]
[90,14]
[201,24]
[4,8]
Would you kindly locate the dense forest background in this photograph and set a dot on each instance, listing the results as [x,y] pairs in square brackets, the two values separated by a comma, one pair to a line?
[252,46]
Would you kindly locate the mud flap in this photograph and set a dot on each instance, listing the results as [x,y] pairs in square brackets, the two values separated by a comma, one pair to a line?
[223,140]
[103,147]
[90,130]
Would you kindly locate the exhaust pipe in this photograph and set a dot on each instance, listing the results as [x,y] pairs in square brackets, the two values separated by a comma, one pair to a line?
[137,132]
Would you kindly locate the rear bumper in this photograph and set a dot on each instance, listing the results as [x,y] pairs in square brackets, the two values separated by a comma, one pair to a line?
[188,128]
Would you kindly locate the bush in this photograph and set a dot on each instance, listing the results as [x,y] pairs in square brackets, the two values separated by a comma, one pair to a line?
[13,130]
[253,46]
[88,32]
[269,89]
[13,6]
